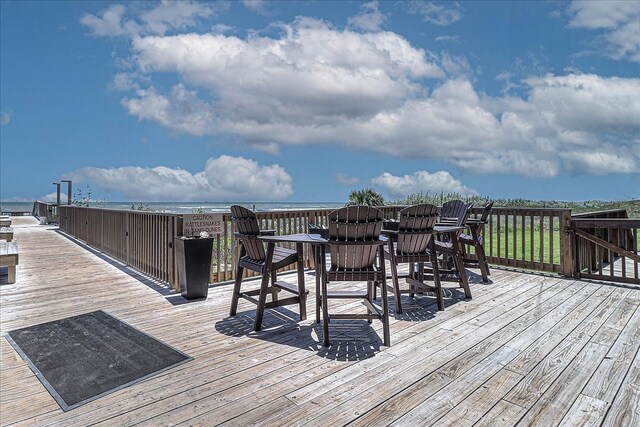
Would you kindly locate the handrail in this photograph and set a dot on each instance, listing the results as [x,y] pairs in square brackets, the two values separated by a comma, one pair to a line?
[619,213]
[142,240]
[606,245]
[605,222]
[529,238]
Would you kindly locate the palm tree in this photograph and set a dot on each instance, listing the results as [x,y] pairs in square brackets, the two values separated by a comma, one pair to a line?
[367,196]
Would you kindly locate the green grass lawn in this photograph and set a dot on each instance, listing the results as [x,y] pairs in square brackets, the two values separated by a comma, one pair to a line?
[501,244]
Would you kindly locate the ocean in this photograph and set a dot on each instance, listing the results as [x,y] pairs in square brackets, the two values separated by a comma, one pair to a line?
[189,207]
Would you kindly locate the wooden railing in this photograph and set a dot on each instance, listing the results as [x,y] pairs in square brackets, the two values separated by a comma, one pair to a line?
[142,240]
[534,239]
[46,211]
[606,246]
[528,238]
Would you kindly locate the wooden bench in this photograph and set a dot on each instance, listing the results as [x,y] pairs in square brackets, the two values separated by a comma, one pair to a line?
[5,221]
[6,233]
[9,258]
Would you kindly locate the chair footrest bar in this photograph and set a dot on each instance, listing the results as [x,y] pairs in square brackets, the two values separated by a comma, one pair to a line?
[281,302]
[372,308]
[444,278]
[420,285]
[248,298]
[256,292]
[346,294]
[354,316]
[289,287]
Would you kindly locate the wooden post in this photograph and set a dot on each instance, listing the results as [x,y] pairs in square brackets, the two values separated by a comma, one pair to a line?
[566,252]
[177,231]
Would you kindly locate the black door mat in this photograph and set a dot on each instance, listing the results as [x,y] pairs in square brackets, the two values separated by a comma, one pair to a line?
[82,358]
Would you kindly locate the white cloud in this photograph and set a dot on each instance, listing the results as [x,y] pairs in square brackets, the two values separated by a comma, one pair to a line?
[439,14]
[168,15]
[258,6]
[108,22]
[314,84]
[183,111]
[421,182]
[53,198]
[223,178]
[369,19]
[5,117]
[455,38]
[127,81]
[344,179]
[619,22]
[312,74]
[601,162]
[174,15]
[221,28]
[455,66]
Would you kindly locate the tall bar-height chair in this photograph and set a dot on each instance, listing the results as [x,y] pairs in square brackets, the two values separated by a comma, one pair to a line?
[412,244]
[475,239]
[449,250]
[357,254]
[451,211]
[254,257]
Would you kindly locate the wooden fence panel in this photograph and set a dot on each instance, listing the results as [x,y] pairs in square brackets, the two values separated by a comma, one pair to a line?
[530,238]
[533,239]
[606,246]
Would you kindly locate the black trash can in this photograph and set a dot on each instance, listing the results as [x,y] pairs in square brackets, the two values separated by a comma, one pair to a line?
[193,262]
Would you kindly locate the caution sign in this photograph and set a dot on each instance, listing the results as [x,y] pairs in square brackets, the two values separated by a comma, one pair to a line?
[194,224]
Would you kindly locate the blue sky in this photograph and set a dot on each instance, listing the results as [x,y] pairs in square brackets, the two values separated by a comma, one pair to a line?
[306,101]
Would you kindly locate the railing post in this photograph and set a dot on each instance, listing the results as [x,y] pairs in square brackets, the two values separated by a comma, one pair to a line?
[566,251]
[127,238]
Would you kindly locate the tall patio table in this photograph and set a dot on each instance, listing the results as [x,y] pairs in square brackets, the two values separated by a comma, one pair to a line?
[452,232]
[319,254]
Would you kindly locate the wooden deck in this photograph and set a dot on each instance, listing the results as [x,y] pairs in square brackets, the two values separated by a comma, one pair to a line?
[526,350]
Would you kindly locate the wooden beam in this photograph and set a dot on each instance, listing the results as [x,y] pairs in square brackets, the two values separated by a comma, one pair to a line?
[608,245]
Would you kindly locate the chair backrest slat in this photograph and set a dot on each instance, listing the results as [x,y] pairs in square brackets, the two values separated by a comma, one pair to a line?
[456,209]
[354,224]
[413,230]
[486,212]
[247,224]
[453,209]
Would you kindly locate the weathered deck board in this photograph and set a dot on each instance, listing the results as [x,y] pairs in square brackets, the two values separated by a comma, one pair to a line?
[526,350]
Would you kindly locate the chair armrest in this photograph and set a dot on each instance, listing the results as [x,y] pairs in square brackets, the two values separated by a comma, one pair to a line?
[267,232]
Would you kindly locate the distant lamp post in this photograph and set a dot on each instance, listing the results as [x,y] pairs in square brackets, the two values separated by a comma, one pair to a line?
[68,190]
[57,184]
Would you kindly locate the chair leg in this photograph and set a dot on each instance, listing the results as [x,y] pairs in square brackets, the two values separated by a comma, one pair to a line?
[262,300]
[236,291]
[370,291]
[436,281]
[482,262]
[386,335]
[264,286]
[320,272]
[325,314]
[274,290]
[394,276]
[302,292]
[396,285]
[459,264]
